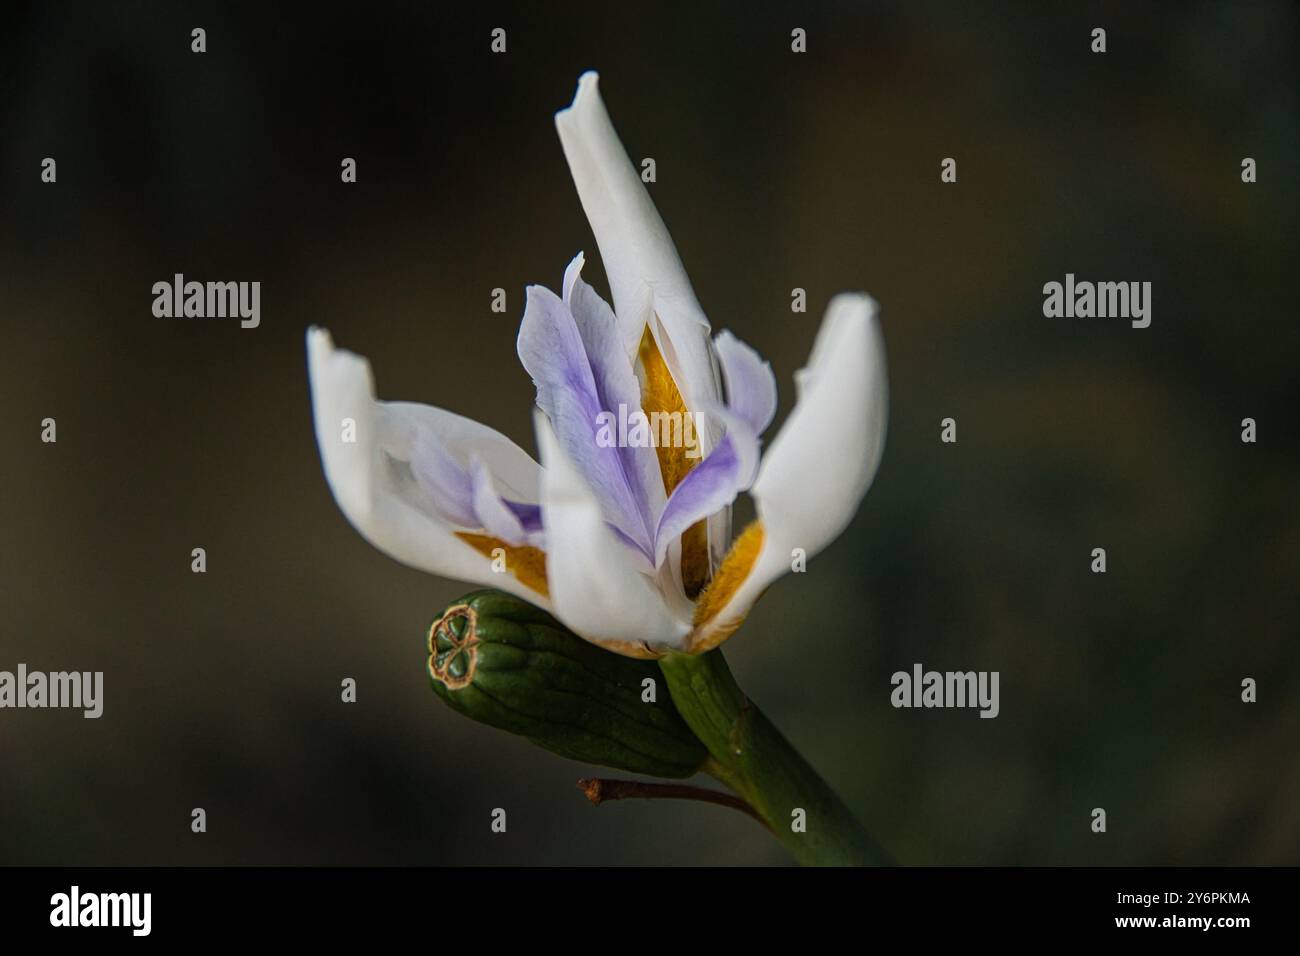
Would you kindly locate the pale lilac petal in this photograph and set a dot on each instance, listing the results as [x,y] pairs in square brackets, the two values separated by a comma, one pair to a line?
[513,469]
[466,495]
[528,515]
[514,522]
[580,371]
[751,386]
[444,479]
[490,511]
[711,487]
[615,378]
[713,484]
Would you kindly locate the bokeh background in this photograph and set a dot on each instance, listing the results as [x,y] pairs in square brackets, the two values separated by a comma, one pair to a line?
[775,170]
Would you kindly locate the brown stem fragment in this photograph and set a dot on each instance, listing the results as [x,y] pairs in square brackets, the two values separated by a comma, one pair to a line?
[600,789]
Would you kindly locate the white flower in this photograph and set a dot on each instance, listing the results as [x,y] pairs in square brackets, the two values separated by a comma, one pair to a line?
[628,545]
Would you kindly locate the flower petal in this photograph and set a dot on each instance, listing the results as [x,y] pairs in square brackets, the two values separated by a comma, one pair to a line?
[824,458]
[751,394]
[713,484]
[513,469]
[817,469]
[445,479]
[372,477]
[595,589]
[645,273]
[511,522]
[751,385]
[615,377]
[581,375]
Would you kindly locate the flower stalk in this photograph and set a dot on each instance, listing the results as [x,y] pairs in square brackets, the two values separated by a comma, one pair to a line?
[755,760]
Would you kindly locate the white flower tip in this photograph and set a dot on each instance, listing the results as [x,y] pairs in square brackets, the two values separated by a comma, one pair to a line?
[851,319]
[588,92]
[319,341]
[323,354]
[858,306]
[325,358]
[588,85]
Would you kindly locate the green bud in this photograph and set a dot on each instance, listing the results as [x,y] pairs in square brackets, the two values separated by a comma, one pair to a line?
[501,661]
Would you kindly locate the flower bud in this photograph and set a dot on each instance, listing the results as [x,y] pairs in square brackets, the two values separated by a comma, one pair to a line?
[501,661]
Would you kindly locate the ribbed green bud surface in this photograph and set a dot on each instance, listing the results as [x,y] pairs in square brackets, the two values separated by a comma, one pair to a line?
[501,661]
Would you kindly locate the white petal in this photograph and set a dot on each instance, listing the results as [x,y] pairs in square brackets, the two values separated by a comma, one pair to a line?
[821,463]
[823,460]
[371,477]
[596,590]
[646,276]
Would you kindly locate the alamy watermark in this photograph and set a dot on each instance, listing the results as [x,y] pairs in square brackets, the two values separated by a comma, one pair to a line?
[208,300]
[83,690]
[1102,300]
[75,908]
[636,429]
[922,688]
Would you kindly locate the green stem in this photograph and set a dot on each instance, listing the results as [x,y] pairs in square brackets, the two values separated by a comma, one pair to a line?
[752,757]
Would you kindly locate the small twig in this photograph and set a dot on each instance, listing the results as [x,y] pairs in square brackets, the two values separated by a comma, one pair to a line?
[600,789]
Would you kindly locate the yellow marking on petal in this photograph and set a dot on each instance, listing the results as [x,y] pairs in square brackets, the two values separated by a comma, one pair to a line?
[662,402]
[733,571]
[526,563]
[659,394]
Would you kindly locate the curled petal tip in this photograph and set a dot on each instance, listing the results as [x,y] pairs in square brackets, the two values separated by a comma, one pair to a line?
[588,87]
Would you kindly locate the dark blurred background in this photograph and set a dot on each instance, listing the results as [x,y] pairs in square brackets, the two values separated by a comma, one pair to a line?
[775,170]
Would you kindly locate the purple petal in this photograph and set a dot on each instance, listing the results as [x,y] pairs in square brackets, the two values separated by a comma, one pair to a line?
[466,496]
[514,522]
[712,484]
[616,382]
[528,516]
[574,353]
[491,512]
[751,386]
[444,479]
